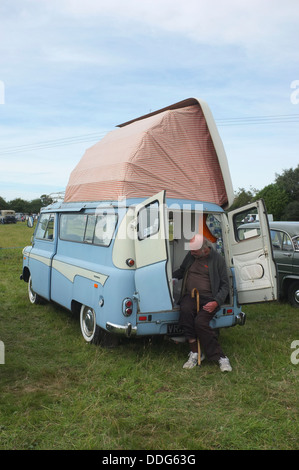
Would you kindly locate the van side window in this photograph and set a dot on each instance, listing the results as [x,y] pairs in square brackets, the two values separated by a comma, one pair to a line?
[245,217]
[148,220]
[104,229]
[72,227]
[45,227]
[93,229]
[89,229]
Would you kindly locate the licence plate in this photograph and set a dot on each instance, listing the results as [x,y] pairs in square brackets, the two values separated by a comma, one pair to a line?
[174,329]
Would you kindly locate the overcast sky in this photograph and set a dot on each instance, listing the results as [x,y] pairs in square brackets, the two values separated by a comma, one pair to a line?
[71,70]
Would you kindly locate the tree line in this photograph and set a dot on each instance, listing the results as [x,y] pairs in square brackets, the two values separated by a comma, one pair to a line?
[281,198]
[26,207]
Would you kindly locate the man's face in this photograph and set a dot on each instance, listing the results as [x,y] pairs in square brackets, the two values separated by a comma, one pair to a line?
[204,251]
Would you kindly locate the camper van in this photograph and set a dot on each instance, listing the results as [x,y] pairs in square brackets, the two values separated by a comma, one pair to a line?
[131,205]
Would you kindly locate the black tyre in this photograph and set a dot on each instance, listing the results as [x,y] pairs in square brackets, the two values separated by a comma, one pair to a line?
[293,294]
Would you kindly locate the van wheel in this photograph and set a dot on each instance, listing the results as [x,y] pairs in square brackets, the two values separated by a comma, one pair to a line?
[33,296]
[293,294]
[92,333]
[89,328]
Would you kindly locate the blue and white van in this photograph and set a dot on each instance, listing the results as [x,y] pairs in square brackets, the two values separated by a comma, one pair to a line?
[112,261]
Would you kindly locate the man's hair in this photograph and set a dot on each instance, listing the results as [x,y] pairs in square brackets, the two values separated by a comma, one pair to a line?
[207,243]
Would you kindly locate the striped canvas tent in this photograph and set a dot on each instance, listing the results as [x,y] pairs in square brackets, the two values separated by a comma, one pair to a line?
[177,149]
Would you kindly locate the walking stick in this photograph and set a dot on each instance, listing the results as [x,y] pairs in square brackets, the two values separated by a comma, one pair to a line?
[195,291]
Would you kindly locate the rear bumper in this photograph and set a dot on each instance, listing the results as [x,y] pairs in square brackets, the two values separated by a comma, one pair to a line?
[126,330]
[240,319]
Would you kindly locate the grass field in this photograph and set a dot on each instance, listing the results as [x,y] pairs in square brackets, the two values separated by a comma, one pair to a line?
[57,392]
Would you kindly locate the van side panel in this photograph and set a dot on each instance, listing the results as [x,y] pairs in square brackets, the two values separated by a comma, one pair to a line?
[85,273]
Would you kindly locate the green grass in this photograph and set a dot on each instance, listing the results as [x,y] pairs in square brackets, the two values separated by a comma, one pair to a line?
[57,392]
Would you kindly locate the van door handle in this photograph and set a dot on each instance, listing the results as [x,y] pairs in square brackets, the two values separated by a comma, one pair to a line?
[287,254]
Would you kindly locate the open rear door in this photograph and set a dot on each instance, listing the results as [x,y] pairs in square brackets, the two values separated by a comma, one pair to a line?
[153,271]
[252,256]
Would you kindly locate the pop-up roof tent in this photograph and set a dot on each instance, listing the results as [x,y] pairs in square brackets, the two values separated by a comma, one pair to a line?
[177,149]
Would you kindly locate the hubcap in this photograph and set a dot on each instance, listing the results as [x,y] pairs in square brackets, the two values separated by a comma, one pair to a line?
[296,296]
[88,322]
[32,294]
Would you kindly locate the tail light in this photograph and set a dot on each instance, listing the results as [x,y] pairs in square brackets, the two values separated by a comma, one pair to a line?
[130,262]
[127,307]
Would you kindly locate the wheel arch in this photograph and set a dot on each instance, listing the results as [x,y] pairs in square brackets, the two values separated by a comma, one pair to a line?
[26,274]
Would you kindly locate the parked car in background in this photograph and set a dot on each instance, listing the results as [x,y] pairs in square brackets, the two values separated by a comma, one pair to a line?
[285,243]
[7,217]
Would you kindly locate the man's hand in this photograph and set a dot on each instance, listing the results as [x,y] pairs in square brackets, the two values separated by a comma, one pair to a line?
[210,306]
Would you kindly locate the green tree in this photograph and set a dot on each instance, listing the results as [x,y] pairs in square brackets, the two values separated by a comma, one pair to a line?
[276,199]
[35,206]
[291,211]
[3,203]
[243,197]
[289,181]
[19,205]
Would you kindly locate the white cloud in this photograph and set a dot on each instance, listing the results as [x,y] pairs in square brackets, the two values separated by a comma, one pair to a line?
[209,21]
[70,67]
[79,56]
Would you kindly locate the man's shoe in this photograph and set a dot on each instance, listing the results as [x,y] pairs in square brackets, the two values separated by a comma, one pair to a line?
[192,361]
[225,364]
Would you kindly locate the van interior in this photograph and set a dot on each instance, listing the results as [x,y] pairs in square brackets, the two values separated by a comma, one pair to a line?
[182,226]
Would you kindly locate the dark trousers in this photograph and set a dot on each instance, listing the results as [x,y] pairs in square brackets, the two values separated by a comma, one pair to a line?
[196,325]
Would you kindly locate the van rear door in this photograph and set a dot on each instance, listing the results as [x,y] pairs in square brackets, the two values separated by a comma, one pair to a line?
[252,256]
[153,270]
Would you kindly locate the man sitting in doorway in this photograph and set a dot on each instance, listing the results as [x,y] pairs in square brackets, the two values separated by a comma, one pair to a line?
[202,269]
